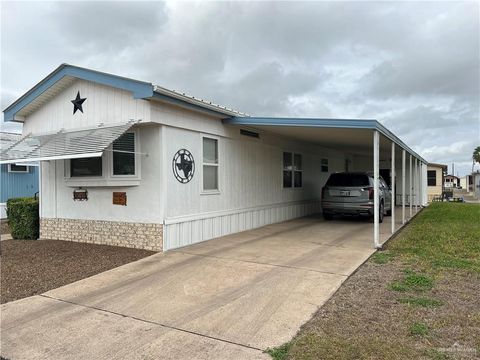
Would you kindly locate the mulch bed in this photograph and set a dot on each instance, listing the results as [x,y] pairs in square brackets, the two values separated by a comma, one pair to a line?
[30,267]
[4,229]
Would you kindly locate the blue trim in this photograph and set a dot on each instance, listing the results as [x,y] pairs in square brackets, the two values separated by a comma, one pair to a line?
[140,89]
[303,122]
[188,105]
[322,123]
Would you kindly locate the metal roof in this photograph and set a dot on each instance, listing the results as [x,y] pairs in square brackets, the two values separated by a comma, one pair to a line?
[63,144]
[51,84]
[369,124]
[140,89]
[196,101]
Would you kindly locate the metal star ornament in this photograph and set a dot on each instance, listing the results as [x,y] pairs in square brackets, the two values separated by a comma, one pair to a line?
[77,103]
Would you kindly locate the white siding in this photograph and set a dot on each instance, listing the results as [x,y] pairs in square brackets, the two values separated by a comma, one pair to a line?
[251,192]
[181,232]
[104,104]
[143,201]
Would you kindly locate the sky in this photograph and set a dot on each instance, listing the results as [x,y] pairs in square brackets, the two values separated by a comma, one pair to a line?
[413,66]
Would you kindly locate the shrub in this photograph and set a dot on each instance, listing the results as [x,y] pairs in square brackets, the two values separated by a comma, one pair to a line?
[23,218]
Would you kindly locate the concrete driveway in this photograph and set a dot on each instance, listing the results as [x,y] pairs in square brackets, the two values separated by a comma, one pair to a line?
[230,297]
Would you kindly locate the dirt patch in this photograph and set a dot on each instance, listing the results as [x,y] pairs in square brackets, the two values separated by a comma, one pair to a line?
[30,267]
[365,319]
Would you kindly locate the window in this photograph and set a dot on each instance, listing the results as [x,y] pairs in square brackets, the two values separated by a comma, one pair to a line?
[86,167]
[324,165]
[351,179]
[14,168]
[432,177]
[210,164]
[124,154]
[292,170]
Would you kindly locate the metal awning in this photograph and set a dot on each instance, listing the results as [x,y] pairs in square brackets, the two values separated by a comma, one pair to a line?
[63,144]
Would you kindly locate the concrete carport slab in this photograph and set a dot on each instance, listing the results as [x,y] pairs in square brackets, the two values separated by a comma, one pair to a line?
[230,297]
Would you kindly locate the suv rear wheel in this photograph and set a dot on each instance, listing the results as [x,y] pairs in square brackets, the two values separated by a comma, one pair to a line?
[381,212]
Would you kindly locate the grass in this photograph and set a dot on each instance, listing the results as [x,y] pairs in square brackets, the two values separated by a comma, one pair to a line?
[419,329]
[444,236]
[382,257]
[411,300]
[421,301]
[435,354]
[279,353]
[412,282]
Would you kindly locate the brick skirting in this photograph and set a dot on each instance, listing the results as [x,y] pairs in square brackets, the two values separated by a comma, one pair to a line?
[134,235]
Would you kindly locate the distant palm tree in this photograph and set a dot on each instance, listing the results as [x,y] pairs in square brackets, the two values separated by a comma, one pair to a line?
[476,156]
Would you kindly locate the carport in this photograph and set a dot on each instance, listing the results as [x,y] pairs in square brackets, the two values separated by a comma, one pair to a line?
[370,146]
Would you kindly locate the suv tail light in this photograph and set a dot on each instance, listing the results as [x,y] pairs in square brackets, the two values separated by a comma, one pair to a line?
[370,192]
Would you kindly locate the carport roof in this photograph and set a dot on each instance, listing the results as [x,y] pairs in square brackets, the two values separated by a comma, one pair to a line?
[292,126]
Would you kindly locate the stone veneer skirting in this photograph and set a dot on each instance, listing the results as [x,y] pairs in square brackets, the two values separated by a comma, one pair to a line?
[117,233]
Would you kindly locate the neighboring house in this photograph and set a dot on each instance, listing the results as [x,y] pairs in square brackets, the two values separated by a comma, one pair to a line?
[466,183]
[451,181]
[129,163]
[435,180]
[16,180]
[476,184]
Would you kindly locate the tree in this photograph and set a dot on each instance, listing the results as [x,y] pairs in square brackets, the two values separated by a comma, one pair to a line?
[476,156]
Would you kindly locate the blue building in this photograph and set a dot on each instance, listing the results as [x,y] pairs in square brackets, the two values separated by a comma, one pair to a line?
[16,180]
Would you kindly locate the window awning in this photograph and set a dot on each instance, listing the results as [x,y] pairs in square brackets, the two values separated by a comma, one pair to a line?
[64,144]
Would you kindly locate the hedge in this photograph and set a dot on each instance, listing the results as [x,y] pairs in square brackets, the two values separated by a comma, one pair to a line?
[23,218]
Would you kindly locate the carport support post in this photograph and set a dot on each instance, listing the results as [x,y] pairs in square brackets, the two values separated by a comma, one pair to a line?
[410,185]
[392,182]
[403,186]
[416,185]
[376,174]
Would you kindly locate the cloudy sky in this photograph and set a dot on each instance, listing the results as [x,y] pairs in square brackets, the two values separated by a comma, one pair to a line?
[414,66]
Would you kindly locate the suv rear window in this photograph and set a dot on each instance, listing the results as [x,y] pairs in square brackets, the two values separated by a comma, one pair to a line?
[343,179]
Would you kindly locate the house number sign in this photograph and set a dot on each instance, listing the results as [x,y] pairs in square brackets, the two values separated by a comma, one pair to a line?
[183,166]
[80,195]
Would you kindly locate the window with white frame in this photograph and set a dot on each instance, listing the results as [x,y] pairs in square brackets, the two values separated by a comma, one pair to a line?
[85,167]
[292,170]
[123,158]
[14,168]
[120,161]
[210,164]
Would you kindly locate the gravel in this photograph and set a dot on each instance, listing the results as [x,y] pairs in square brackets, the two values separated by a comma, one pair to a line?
[30,267]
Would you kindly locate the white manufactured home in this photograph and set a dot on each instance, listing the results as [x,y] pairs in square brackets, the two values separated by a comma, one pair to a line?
[128,163]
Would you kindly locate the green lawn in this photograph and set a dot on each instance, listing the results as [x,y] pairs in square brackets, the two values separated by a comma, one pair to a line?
[444,236]
[419,298]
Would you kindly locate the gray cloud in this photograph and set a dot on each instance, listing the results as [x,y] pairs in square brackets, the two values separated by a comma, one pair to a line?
[412,65]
